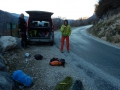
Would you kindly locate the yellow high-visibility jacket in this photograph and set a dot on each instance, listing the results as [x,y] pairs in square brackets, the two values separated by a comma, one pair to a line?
[65,31]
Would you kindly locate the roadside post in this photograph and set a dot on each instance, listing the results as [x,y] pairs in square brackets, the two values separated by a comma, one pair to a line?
[11,26]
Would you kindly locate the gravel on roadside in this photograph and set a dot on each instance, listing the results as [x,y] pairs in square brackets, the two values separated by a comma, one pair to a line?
[45,77]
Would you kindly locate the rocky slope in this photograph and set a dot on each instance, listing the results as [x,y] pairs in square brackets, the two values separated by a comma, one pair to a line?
[108,29]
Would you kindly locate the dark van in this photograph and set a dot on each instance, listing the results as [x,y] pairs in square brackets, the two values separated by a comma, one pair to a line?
[40,27]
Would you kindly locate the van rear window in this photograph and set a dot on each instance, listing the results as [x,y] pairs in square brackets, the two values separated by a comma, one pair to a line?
[40,23]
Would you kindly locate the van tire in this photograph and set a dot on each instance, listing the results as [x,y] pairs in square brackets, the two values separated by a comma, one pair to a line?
[28,42]
[51,43]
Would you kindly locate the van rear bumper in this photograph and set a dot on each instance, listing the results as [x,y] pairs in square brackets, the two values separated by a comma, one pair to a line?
[40,40]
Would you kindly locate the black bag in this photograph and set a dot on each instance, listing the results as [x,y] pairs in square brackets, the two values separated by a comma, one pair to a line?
[78,85]
[54,59]
[63,62]
[38,57]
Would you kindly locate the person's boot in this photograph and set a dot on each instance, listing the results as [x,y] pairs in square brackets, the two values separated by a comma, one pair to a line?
[68,51]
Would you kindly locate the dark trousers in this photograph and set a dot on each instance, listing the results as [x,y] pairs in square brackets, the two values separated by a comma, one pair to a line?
[23,40]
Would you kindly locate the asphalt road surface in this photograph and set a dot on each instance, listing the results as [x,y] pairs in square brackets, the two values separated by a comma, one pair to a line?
[99,53]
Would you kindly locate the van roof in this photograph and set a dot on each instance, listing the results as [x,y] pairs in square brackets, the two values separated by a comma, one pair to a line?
[39,13]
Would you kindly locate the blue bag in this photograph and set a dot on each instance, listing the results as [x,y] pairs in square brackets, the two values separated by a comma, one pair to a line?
[22,78]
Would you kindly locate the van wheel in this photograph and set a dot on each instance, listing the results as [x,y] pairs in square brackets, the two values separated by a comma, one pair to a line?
[28,42]
[51,43]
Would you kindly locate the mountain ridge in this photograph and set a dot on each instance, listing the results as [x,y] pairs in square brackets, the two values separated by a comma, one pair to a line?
[7,17]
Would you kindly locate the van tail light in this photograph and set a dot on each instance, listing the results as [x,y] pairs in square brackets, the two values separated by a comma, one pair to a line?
[52,25]
[52,36]
[27,24]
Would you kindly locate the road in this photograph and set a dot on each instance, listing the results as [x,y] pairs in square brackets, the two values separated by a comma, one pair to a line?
[99,53]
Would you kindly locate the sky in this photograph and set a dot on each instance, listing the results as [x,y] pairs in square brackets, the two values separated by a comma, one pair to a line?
[68,9]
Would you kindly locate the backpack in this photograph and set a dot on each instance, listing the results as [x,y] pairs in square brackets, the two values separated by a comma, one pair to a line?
[38,57]
[57,62]
[22,78]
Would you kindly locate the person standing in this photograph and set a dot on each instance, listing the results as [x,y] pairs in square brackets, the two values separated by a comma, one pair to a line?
[22,28]
[66,32]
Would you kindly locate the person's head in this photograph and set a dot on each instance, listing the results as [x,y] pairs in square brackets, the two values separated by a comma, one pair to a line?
[22,15]
[65,22]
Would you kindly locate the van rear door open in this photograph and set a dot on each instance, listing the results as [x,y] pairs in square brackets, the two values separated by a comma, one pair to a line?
[39,14]
[40,27]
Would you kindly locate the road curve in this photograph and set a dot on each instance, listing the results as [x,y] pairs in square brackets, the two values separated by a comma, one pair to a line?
[95,51]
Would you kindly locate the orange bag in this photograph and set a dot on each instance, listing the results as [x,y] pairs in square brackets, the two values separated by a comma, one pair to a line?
[57,62]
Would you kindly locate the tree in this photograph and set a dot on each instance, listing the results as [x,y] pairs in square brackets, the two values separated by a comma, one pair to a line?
[104,6]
